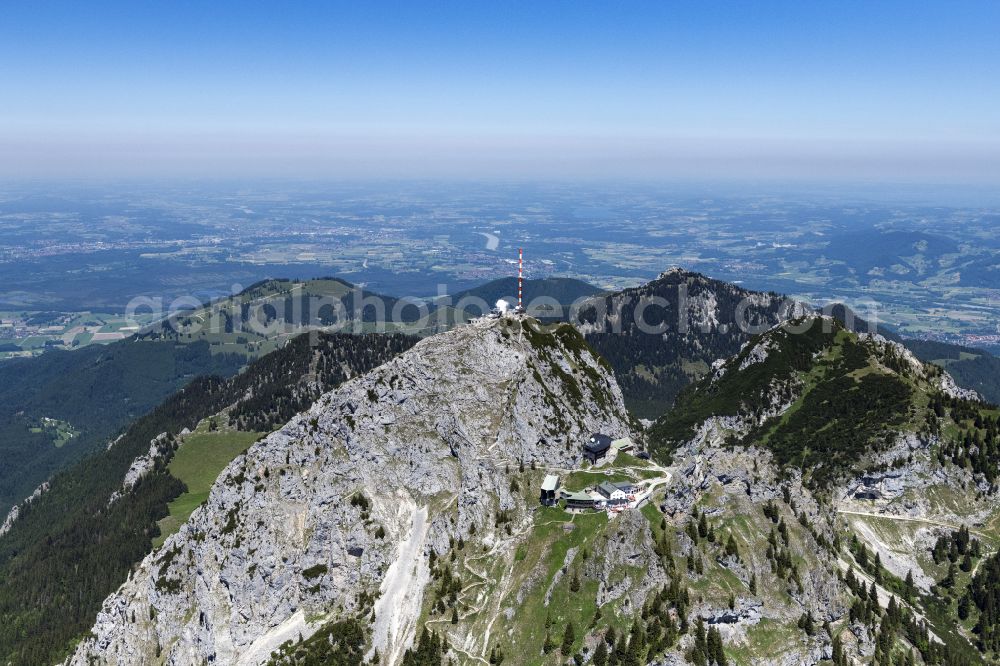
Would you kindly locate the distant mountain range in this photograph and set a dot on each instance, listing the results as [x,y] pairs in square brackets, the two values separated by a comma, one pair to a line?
[95,392]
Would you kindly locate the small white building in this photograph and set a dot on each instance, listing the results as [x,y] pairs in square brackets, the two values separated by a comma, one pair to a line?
[612,493]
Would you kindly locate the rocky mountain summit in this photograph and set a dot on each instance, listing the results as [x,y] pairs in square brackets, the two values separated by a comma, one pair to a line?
[345,503]
[819,496]
[662,335]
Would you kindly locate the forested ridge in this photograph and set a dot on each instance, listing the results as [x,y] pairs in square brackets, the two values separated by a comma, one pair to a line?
[327,301]
[270,398]
[740,391]
[70,548]
[694,324]
[847,397]
[96,391]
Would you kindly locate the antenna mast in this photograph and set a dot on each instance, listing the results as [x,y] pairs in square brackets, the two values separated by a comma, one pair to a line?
[520,278]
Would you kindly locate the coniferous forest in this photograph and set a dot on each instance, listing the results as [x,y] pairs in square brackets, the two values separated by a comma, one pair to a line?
[96,391]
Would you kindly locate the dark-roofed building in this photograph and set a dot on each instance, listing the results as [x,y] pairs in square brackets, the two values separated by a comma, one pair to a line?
[597,447]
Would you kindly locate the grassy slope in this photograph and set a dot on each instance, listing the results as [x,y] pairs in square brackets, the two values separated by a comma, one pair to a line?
[548,544]
[201,457]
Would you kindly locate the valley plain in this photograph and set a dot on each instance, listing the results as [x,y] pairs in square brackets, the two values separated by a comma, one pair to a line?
[917,261]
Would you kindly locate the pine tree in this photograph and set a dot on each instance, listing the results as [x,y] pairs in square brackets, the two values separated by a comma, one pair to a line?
[700,640]
[949,580]
[966,562]
[601,654]
[839,659]
[732,550]
[569,637]
[806,623]
[620,646]
[692,530]
[963,607]
[715,651]
[632,653]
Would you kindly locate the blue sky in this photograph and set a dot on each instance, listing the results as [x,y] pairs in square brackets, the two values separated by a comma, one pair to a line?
[864,90]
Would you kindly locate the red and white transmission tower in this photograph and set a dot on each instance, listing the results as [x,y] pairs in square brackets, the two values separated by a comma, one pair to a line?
[520,275]
[520,279]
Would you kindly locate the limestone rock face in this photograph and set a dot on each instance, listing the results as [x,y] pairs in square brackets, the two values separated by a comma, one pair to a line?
[345,503]
[142,465]
[948,385]
[630,546]
[15,511]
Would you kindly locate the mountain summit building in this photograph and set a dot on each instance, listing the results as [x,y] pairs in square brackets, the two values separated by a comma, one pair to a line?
[597,447]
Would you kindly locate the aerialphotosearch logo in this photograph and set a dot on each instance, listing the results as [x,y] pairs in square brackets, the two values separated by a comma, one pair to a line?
[248,317]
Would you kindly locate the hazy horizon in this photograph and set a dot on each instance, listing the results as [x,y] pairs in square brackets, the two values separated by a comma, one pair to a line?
[899,92]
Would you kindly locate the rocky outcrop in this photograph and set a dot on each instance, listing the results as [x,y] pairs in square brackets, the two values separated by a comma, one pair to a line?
[949,387]
[344,503]
[757,354]
[738,482]
[15,510]
[878,486]
[629,569]
[944,381]
[143,465]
